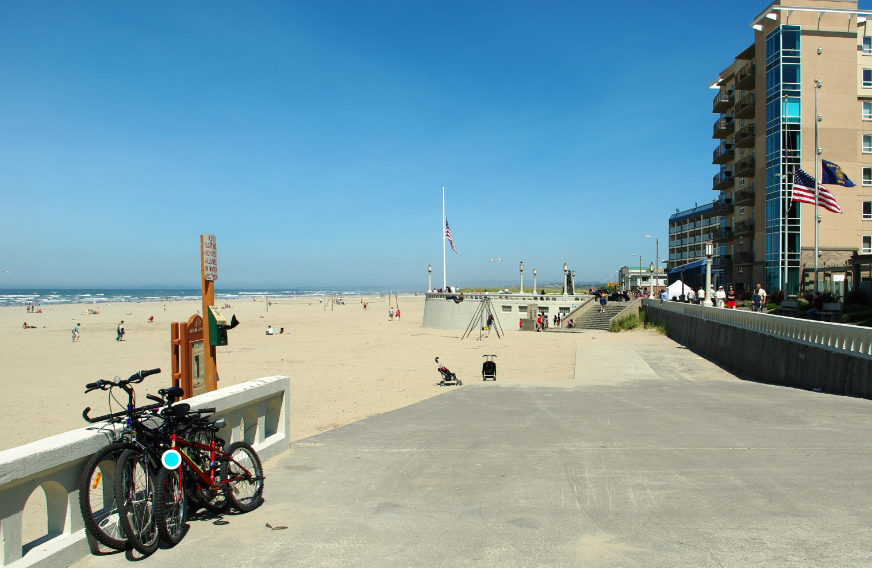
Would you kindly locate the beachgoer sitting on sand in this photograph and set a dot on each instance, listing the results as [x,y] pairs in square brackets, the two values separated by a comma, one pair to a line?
[151,319]
[282,331]
[269,330]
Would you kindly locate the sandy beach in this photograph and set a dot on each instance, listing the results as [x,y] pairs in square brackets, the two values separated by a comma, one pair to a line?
[345,364]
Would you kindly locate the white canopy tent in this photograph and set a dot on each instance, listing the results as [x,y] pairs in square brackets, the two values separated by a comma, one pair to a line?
[677,288]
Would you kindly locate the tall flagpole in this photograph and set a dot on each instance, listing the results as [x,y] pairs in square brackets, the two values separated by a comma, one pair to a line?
[443,240]
[817,85]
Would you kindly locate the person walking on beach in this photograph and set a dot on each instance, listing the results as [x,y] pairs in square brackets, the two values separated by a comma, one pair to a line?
[120,331]
[76,332]
[398,314]
[391,314]
[521,324]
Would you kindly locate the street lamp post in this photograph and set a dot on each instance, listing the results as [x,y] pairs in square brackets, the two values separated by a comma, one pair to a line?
[429,277]
[709,251]
[573,283]
[657,257]
[522,277]
[534,281]
[565,270]
[651,278]
[640,271]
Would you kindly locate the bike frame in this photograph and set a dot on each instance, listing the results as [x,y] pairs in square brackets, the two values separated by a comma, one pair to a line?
[208,480]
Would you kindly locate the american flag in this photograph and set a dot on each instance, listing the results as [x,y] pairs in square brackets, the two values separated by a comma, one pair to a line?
[803,192]
[448,234]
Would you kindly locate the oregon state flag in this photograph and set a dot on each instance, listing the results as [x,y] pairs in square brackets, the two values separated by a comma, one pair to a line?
[832,174]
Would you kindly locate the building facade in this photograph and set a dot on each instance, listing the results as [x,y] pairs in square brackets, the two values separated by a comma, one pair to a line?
[635,279]
[689,230]
[765,128]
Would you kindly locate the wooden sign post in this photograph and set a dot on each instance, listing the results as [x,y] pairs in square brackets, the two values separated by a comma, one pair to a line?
[188,358]
[209,271]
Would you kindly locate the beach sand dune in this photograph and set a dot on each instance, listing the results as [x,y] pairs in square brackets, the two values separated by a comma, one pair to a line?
[345,364]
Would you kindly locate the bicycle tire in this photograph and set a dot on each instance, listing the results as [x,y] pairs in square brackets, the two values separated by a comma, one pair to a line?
[134,491]
[97,497]
[244,494]
[213,500]
[170,505]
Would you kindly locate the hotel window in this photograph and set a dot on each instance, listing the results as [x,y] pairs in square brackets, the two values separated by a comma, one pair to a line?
[867,176]
[867,143]
[867,45]
[740,269]
[741,211]
[740,240]
[867,78]
[867,210]
[741,182]
[867,110]
[867,244]
[507,309]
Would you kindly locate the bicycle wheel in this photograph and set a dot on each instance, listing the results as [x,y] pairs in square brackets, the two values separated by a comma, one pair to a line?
[243,477]
[134,483]
[170,506]
[97,497]
[213,500]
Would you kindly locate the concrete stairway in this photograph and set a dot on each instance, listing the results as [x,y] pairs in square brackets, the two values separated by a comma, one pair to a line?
[593,319]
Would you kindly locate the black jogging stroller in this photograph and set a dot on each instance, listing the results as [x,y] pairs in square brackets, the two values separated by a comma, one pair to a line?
[448,378]
[489,368]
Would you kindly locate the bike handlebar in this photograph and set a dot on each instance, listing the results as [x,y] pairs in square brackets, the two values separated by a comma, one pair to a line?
[118,414]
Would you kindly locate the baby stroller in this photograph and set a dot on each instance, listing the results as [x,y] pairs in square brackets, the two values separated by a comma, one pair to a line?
[448,378]
[489,368]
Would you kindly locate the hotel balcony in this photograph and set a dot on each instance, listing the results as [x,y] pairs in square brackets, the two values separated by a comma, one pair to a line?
[746,76]
[722,234]
[746,105]
[724,261]
[723,127]
[723,101]
[745,196]
[746,136]
[722,207]
[746,166]
[722,180]
[744,227]
[743,258]
[723,153]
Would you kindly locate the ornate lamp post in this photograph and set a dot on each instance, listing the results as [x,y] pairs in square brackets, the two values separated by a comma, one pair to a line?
[522,277]
[565,270]
[534,281]
[651,277]
[573,283]
[709,251]
[429,277]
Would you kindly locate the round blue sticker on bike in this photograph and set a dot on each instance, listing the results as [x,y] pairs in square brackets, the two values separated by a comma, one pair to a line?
[171,459]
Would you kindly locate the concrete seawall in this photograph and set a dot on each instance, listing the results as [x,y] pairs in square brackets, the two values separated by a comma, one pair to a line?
[441,312]
[770,358]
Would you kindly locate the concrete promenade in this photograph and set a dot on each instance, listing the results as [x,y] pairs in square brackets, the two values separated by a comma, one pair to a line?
[648,456]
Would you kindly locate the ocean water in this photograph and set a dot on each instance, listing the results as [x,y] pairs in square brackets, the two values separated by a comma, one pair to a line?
[20,297]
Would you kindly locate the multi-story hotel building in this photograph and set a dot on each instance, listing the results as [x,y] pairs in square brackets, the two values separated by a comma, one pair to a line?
[689,230]
[765,128]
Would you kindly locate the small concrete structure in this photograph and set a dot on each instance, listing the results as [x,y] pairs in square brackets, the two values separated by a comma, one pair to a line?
[441,311]
[257,412]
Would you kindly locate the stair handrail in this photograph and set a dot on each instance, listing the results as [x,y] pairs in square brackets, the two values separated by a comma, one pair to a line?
[634,305]
[574,314]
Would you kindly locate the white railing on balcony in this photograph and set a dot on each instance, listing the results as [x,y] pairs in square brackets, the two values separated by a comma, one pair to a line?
[257,412]
[838,336]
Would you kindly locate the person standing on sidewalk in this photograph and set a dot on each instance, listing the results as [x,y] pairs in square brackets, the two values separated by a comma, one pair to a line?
[731,298]
[759,298]
[700,296]
[664,295]
[720,296]
[604,298]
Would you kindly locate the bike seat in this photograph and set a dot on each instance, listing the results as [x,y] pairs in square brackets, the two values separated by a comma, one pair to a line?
[217,424]
[172,392]
[178,410]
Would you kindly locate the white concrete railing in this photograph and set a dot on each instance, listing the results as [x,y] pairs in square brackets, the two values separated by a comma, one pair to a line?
[838,336]
[522,297]
[257,412]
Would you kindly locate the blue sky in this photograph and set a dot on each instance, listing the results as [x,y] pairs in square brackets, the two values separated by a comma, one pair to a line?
[314,138]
